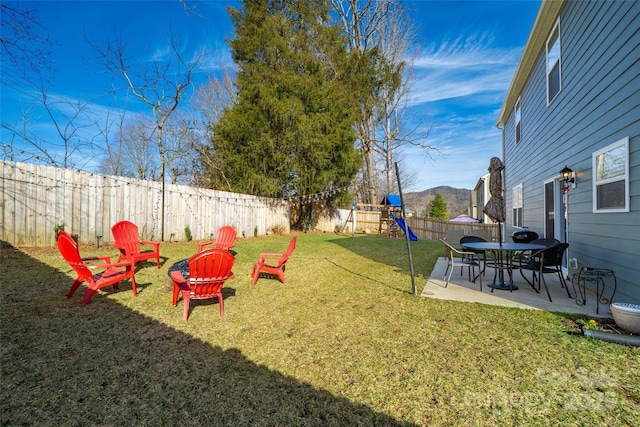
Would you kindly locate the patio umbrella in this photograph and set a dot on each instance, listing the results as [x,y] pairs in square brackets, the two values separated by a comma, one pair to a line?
[495,207]
[464,218]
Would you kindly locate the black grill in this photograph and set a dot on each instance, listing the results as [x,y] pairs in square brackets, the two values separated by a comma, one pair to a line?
[524,236]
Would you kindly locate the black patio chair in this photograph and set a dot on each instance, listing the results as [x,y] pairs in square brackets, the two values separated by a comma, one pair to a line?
[480,255]
[455,259]
[545,261]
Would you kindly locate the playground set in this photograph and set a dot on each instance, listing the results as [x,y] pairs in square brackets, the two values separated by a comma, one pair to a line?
[386,217]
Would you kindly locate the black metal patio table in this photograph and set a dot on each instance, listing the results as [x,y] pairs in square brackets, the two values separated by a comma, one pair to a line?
[502,255]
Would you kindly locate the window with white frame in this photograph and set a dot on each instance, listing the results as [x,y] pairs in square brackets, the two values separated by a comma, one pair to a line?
[611,178]
[517,205]
[518,121]
[554,81]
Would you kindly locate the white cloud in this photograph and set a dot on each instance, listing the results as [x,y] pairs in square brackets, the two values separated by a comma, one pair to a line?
[462,67]
[161,54]
[216,57]
[464,52]
[460,84]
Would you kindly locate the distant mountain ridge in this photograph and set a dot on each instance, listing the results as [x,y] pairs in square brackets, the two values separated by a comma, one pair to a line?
[458,200]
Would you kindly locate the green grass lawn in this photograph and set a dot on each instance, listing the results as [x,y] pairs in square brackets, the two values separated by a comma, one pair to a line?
[343,342]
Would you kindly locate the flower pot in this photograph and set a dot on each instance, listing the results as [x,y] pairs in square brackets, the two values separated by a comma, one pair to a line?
[627,316]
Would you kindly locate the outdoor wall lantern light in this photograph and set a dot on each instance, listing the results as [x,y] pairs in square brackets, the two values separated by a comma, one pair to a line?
[568,176]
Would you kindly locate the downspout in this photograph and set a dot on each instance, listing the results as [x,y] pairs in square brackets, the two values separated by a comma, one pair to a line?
[630,340]
[565,200]
[502,139]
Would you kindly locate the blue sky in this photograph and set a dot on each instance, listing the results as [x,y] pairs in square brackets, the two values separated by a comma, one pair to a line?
[467,54]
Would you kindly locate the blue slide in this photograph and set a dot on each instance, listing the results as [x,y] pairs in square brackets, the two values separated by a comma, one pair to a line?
[400,222]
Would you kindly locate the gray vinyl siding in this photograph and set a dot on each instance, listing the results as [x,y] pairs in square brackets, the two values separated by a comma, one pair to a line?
[599,104]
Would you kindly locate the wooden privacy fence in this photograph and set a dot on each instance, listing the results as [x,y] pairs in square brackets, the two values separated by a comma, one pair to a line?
[367,218]
[35,199]
[452,231]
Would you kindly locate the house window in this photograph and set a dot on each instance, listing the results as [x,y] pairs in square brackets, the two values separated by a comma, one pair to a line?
[611,178]
[554,82]
[517,205]
[518,122]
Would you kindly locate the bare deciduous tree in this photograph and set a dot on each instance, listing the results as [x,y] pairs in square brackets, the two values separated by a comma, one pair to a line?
[26,70]
[361,20]
[385,26]
[71,144]
[182,139]
[396,42]
[218,94]
[23,39]
[158,84]
[211,100]
[138,150]
[112,161]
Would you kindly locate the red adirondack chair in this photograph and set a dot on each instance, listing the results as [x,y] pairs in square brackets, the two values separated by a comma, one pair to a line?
[225,237]
[126,238]
[208,271]
[273,263]
[111,274]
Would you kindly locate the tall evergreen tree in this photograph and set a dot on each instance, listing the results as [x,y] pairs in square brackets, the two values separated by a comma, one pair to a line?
[438,208]
[291,132]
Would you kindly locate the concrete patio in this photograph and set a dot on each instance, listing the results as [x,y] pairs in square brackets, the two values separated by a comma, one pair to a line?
[461,289]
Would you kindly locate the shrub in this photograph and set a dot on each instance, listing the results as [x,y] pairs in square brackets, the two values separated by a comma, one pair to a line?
[60,227]
[278,229]
[187,233]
